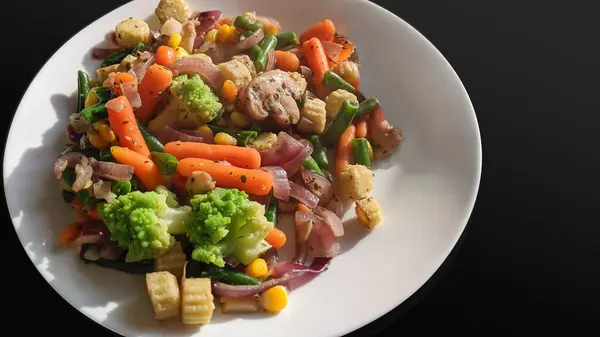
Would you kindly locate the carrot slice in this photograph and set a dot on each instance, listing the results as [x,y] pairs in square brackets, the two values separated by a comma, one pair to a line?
[344,149]
[324,31]
[143,167]
[155,82]
[317,61]
[245,157]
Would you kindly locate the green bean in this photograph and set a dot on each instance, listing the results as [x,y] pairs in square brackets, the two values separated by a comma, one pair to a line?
[333,81]
[83,89]
[243,138]
[230,276]
[105,155]
[367,106]
[166,163]
[262,57]
[254,51]
[311,164]
[94,113]
[245,24]
[286,39]
[340,122]
[360,152]
[247,33]
[319,153]
[120,187]
[137,48]
[118,56]
[153,143]
[271,212]
[103,94]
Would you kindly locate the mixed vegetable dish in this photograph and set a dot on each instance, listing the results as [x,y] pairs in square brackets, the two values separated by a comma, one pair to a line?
[190,142]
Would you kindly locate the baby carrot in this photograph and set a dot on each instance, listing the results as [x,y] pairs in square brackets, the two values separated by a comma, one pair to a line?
[155,82]
[286,61]
[125,126]
[276,238]
[348,48]
[245,157]
[165,55]
[121,78]
[70,233]
[361,128]
[255,182]
[344,150]
[143,167]
[324,31]
[316,59]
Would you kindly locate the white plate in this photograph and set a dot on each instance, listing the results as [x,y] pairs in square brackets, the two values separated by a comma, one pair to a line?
[427,189]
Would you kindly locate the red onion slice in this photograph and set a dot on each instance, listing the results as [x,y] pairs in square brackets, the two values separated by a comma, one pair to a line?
[318,266]
[322,241]
[331,219]
[303,195]
[332,50]
[271,60]
[304,223]
[251,40]
[139,70]
[168,134]
[226,290]
[103,53]
[281,184]
[115,104]
[285,150]
[318,185]
[130,91]
[113,171]
[194,65]
[83,175]
[69,159]
[198,41]
[207,20]
[292,166]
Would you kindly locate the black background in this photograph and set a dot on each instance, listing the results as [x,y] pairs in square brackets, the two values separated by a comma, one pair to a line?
[528,259]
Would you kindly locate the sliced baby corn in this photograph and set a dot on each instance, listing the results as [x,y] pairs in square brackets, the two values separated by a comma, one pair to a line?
[163,290]
[197,305]
[172,261]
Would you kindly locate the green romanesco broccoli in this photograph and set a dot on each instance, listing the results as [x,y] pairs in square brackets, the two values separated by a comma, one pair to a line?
[226,223]
[195,99]
[144,222]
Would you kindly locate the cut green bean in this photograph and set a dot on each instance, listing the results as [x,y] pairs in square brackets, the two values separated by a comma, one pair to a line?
[367,107]
[118,56]
[166,163]
[319,153]
[153,143]
[360,152]
[271,212]
[311,164]
[268,43]
[286,39]
[103,94]
[242,22]
[94,113]
[83,89]
[230,276]
[121,187]
[333,81]
[340,123]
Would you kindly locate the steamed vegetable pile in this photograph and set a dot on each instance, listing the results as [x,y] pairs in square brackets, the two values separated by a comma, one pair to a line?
[191,143]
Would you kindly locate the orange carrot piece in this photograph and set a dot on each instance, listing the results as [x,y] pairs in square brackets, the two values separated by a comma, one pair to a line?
[348,48]
[165,55]
[317,60]
[276,238]
[344,149]
[324,31]
[286,61]
[361,129]
[143,167]
[229,91]
[125,127]
[155,82]
[71,233]
[245,157]
[120,78]
[255,182]
[303,208]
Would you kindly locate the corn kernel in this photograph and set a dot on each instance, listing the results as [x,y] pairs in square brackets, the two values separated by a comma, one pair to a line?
[274,299]
[226,33]
[223,138]
[96,140]
[174,41]
[239,119]
[271,29]
[181,53]
[257,268]
[91,99]
[105,132]
[206,133]
[211,35]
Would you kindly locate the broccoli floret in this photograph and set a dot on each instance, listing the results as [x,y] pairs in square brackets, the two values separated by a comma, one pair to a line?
[144,222]
[226,223]
[195,99]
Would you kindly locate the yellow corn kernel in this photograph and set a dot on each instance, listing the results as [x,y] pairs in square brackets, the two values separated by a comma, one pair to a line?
[174,41]
[97,141]
[91,99]
[223,138]
[239,119]
[271,29]
[226,33]
[257,268]
[211,35]
[206,133]
[105,132]
[181,53]
[274,299]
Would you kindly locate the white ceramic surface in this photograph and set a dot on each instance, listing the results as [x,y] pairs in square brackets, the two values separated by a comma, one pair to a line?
[427,189]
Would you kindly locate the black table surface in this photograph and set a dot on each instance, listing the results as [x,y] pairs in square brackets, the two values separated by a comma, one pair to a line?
[528,259]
